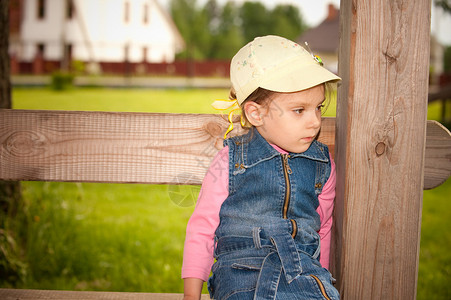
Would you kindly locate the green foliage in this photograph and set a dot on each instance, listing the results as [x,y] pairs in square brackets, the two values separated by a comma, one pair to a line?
[217,32]
[101,237]
[255,20]
[287,21]
[78,66]
[435,259]
[192,24]
[12,267]
[227,36]
[61,80]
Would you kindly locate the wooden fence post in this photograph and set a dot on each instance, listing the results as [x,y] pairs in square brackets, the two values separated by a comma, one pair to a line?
[380,140]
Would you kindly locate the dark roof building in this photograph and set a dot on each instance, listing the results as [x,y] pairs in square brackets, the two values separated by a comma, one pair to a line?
[324,39]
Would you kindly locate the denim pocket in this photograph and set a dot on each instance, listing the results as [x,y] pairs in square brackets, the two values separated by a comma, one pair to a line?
[234,277]
[253,263]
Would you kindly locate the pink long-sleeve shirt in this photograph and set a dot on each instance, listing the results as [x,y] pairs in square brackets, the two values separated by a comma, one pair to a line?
[199,242]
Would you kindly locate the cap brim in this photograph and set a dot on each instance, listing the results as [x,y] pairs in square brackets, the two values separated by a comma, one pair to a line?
[298,77]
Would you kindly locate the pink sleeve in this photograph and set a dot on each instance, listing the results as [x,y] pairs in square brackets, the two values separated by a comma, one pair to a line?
[325,209]
[200,231]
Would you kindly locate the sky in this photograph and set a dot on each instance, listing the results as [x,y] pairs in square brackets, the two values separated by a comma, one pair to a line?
[314,12]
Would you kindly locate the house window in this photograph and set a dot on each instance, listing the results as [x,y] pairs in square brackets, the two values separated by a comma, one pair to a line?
[126,11]
[68,52]
[41,9]
[145,13]
[126,52]
[40,50]
[145,54]
[70,9]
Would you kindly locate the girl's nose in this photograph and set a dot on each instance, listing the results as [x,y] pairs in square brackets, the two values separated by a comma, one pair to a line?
[315,120]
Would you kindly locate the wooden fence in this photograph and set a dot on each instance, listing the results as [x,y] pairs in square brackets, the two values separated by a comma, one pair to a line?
[385,151]
[138,148]
[121,147]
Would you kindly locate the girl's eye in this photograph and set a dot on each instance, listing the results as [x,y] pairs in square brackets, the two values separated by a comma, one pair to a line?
[299,110]
[320,107]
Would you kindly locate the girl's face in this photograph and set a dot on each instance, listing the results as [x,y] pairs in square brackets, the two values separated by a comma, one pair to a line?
[292,120]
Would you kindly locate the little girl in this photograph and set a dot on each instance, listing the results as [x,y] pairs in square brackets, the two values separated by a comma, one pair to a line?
[265,207]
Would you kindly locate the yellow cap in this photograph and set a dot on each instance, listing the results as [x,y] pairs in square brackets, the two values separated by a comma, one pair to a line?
[276,64]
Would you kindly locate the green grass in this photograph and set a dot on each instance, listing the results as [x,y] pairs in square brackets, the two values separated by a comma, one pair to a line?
[86,236]
[129,100]
[122,237]
[435,260]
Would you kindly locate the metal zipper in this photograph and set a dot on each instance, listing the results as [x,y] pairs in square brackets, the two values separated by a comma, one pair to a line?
[286,172]
[321,287]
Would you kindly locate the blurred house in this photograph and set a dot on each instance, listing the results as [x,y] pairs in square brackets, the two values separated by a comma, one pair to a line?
[324,41]
[114,35]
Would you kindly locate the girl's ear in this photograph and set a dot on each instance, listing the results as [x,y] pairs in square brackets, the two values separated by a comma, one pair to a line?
[254,113]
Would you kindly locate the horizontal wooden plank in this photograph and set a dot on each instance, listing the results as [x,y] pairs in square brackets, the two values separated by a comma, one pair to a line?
[141,147]
[17,294]
[437,160]
[107,147]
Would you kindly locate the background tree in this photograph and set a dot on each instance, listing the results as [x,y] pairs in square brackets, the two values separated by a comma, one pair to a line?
[9,191]
[286,21]
[228,37]
[5,85]
[255,20]
[10,194]
[217,32]
[192,23]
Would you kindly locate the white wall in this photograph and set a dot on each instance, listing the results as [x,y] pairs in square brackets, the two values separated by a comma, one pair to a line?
[106,33]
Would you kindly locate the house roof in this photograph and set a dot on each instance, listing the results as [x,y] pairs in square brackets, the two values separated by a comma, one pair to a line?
[324,37]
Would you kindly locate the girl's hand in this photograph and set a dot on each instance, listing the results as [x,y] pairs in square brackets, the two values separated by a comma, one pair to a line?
[192,288]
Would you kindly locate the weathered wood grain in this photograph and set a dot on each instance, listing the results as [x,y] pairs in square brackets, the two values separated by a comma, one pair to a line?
[108,147]
[17,294]
[437,160]
[380,150]
[112,147]
[140,147]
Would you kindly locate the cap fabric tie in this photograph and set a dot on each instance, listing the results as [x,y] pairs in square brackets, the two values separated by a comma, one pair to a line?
[222,104]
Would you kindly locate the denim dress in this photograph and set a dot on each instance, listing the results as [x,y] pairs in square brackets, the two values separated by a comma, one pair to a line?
[267,244]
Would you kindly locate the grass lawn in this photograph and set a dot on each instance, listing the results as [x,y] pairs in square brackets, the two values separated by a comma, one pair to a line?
[435,260]
[86,236]
[122,237]
[129,100]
